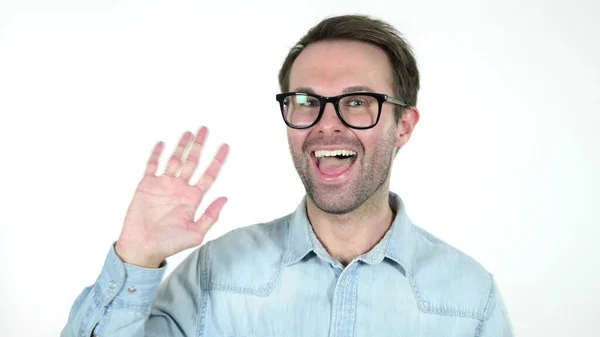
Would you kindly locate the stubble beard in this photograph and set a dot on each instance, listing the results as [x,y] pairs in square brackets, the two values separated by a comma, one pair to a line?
[372,176]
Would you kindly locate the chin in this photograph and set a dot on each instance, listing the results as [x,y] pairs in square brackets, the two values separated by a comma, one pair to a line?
[335,202]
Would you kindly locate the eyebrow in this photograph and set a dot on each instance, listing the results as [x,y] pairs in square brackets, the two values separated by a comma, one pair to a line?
[356,88]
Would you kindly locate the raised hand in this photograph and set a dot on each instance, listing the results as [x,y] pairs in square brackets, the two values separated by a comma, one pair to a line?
[160,219]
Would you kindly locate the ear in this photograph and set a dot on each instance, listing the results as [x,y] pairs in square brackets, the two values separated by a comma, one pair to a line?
[406,125]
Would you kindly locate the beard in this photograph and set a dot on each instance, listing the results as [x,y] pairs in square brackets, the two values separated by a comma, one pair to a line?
[373,171]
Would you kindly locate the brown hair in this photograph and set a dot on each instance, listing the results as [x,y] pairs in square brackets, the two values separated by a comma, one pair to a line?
[364,29]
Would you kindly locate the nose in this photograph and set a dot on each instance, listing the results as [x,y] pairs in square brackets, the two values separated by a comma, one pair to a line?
[330,122]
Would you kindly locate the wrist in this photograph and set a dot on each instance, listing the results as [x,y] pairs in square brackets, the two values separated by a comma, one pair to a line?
[136,258]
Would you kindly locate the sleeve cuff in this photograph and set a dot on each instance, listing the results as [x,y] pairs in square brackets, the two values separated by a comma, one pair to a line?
[127,284]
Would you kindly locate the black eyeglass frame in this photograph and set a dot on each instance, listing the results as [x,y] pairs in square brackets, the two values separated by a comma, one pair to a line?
[335,100]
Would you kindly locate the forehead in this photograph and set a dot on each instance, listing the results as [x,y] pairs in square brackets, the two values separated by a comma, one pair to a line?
[330,66]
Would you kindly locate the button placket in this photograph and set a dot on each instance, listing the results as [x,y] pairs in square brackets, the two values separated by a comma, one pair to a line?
[344,302]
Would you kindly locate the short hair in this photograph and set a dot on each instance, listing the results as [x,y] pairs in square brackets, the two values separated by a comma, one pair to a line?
[405,74]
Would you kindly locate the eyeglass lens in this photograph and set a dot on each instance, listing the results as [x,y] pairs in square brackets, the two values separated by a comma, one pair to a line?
[302,110]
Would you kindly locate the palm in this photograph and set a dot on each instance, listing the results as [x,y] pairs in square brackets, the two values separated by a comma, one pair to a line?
[162,209]
[160,220]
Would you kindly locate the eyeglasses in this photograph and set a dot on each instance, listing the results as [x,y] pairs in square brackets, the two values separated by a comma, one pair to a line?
[356,110]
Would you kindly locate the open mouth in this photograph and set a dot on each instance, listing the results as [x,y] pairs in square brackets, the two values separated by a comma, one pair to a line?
[335,162]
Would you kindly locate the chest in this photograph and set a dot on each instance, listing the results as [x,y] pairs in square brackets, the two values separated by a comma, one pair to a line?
[318,303]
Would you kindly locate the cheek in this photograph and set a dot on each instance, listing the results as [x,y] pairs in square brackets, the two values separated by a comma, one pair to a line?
[296,139]
[388,128]
[378,140]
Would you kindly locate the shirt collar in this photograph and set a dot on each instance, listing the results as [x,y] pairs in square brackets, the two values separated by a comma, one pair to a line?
[299,243]
[396,244]
[400,246]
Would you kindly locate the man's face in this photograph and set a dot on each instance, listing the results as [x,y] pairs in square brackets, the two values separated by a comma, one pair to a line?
[332,68]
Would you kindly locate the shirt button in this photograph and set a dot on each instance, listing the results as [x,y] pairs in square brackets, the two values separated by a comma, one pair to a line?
[112,284]
[346,283]
[132,290]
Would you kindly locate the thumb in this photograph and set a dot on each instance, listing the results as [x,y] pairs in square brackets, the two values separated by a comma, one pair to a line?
[211,215]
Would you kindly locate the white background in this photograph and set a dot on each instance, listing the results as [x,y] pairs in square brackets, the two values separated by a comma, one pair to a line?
[503,164]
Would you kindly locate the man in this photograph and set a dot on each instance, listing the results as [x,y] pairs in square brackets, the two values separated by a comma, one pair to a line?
[347,262]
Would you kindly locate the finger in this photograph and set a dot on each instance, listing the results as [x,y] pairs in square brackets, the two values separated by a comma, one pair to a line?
[211,173]
[153,161]
[175,161]
[211,215]
[191,162]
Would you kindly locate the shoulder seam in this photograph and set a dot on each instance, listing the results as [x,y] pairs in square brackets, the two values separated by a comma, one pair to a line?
[488,305]
[208,284]
[202,293]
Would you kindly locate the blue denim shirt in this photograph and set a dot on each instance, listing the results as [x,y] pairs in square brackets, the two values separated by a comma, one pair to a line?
[276,279]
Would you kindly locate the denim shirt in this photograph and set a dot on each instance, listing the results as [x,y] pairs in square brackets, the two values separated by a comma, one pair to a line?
[277,279]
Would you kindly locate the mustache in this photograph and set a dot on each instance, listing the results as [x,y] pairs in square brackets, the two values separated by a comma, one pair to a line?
[331,141]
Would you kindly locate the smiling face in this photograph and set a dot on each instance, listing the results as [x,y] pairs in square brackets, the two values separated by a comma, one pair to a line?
[340,167]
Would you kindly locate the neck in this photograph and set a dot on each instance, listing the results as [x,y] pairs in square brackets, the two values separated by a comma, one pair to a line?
[347,236]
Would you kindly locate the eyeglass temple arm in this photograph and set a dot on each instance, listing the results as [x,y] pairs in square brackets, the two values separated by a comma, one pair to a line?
[395,101]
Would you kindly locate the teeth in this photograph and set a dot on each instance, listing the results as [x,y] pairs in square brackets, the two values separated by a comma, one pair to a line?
[325,153]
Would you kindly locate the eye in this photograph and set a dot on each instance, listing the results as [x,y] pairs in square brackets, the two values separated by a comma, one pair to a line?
[356,102]
[307,101]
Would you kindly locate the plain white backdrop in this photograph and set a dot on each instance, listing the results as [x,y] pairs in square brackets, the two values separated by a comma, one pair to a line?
[503,165]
